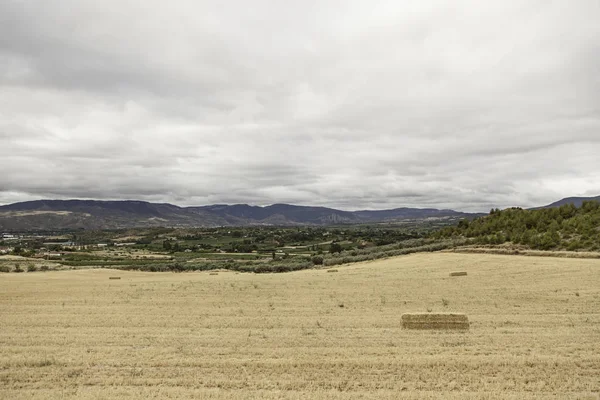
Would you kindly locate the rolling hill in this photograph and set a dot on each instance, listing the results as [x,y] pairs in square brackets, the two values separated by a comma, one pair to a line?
[561,226]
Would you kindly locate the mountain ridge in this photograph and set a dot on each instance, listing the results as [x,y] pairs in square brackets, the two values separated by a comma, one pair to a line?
[49,214]
[577,201]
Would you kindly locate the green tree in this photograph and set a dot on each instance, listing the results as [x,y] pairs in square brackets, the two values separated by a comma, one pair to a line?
[335,247]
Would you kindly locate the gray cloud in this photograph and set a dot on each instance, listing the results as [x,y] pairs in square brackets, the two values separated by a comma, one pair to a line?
[467,105]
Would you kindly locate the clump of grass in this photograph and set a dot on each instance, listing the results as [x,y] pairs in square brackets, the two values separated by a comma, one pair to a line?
[45,362]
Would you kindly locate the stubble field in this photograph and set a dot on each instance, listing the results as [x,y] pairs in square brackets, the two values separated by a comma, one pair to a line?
[535,332]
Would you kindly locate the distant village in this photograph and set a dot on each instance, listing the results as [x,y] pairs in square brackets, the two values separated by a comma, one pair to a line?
[46,247]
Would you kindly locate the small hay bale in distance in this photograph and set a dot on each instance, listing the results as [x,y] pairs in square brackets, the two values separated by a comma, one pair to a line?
[332,270]
[458,273]
[213,273]
[442,321]
[114,277]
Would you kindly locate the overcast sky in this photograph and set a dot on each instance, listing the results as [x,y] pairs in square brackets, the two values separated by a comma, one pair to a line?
[350,104]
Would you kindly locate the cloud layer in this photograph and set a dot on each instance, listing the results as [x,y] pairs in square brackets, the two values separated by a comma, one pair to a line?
[353,104]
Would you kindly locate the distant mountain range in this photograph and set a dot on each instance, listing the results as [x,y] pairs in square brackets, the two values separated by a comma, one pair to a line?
[93,214]
[577,201]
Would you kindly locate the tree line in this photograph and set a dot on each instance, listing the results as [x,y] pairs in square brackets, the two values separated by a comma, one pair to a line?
[560,228]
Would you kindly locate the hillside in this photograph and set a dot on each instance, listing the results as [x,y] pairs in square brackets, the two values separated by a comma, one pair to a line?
[410,213]
[286,213]
[93,214]
[565,227]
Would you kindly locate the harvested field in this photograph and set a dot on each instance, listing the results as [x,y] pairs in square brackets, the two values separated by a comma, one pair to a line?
[534,332]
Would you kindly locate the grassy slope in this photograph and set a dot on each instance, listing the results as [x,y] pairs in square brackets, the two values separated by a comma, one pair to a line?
[78,335]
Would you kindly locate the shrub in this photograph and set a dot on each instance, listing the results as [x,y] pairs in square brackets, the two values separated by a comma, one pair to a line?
[31,268]
[4,269]
[177,267]
[18,268]
[317,260]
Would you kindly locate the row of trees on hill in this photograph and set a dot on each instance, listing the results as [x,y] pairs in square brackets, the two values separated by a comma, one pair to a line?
[562,228]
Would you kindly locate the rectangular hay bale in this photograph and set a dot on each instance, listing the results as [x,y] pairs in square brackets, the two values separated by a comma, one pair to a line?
[458,273]
[114,277]
[435,321]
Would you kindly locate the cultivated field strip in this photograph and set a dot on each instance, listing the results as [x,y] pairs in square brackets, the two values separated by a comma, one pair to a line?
[535,332]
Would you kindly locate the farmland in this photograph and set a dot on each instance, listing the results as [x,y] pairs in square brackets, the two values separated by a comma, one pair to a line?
[245,249]
[76,334]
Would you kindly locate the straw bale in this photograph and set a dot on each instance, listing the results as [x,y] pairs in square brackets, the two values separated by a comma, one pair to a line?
[435,321]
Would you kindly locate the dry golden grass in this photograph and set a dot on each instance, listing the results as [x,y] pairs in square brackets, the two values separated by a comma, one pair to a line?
[10,261]
[535,332]
[510,249]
